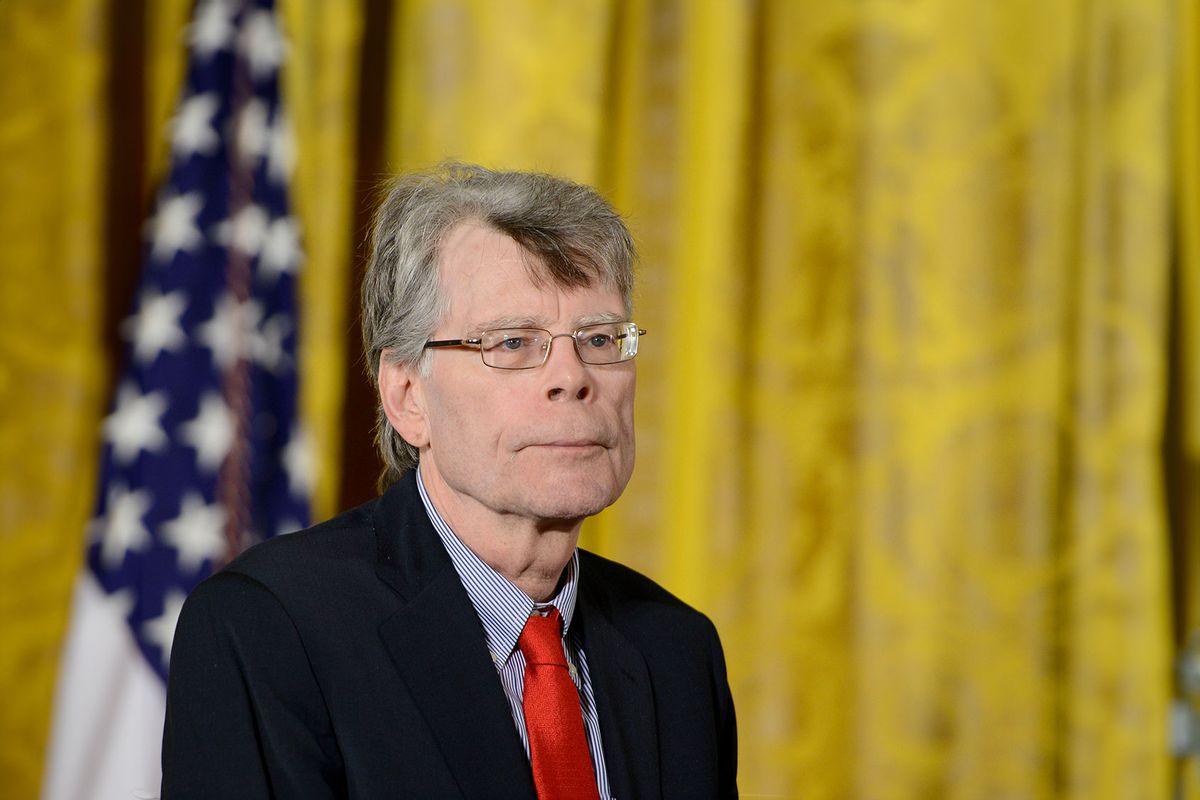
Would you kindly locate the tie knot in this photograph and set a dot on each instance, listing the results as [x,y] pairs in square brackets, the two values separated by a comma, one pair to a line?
[541,640]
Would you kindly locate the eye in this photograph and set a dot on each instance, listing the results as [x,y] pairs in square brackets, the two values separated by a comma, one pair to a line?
[599,340]
[513,342]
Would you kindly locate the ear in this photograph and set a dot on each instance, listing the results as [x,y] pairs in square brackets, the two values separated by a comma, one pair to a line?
[403,401]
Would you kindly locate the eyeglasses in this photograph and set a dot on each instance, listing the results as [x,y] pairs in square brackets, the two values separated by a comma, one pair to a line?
[528,348]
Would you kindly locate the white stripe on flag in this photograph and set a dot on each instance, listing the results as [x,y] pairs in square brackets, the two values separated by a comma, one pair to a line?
[106,732]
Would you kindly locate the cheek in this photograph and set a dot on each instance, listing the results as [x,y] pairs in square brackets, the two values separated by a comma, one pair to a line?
[465,422]
[625,392]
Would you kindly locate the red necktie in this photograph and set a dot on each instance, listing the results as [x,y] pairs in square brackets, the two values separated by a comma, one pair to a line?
[558,751]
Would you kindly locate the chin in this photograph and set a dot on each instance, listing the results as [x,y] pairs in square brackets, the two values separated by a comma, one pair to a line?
[575,503]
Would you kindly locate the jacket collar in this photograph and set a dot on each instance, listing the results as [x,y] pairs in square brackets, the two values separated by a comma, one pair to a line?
[624,693]
[438,647]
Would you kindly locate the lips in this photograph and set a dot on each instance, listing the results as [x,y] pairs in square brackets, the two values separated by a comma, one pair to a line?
[579,442]
[579,434]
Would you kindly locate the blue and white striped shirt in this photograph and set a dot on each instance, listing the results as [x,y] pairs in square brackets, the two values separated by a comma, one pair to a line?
[503,609]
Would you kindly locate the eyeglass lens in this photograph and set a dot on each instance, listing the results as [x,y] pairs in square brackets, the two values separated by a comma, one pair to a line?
[522,348]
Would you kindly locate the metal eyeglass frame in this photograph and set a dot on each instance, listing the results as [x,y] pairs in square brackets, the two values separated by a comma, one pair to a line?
[476,343]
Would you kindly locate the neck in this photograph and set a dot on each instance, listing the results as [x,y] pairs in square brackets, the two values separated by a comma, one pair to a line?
[531,553]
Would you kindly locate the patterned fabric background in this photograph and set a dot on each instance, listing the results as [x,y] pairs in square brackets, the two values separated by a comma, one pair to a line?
[919,410]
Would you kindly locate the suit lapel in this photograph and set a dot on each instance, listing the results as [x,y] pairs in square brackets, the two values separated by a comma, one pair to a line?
[439,650]
[624,702]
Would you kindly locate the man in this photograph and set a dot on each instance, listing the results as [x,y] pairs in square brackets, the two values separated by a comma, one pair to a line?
[448,639]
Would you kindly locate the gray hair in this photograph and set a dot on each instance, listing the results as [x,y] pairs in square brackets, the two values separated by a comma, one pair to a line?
[575,236]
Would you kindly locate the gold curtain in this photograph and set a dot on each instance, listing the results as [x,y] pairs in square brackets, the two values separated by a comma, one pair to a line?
[321,94]
[52,135]
[908,271]
[1186,433]
[905,271]
[1183,431]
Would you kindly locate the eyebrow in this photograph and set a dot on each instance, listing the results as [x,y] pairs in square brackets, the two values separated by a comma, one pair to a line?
[543,322]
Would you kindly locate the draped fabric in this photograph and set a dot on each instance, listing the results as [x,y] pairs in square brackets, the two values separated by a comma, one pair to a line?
[52,135]
[1183,468]
[919,412]
[1183,432]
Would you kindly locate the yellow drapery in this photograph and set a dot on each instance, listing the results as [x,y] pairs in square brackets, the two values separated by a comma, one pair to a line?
[907,273]
[1183,434]
[902,433]
[52,134]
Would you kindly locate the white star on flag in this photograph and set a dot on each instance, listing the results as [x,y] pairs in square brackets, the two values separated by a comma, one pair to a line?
[266,346]
[210,432]
[281,153]
[212,29]
[253,132]
[231,331]
[281,249]
[198,533]
[134,424]
[300,463]
[155,327]
[123,527]
[261,44]
[161,629]
[174,227]
[246,231]
[192,130]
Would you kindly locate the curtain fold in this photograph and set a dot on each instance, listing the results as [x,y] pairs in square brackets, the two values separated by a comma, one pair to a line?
[52,134]
[1186,421]
[519,85]
[1183,423]
[902,436]
[321,82]
[922,286]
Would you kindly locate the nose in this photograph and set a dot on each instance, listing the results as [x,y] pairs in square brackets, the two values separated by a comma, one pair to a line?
[566,376]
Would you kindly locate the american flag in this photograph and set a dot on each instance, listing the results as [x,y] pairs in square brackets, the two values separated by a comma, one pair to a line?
[202,453]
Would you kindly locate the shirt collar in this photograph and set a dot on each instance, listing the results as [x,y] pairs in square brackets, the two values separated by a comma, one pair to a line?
[500,605]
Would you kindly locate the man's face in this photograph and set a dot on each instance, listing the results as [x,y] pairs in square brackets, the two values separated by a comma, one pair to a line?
[555,442]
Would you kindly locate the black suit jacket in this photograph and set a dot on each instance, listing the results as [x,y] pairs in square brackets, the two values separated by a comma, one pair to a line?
[347,661]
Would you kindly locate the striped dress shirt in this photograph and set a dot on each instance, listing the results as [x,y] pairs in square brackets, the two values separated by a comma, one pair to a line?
[502,609]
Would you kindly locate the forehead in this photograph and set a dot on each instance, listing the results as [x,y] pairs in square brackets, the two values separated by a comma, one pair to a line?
[486,278]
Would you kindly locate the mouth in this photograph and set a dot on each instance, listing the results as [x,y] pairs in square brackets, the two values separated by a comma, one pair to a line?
[569,444]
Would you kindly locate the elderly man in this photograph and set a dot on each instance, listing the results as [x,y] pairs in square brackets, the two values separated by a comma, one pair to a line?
[449,639]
